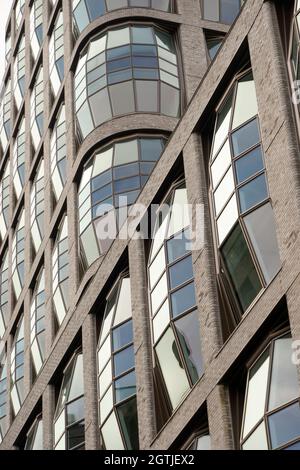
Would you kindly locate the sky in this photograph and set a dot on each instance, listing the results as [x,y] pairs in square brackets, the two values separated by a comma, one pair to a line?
[5,6]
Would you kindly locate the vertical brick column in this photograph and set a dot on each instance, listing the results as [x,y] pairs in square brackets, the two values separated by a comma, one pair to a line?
[219,419]
[48,403]
[89,349]
[142,342]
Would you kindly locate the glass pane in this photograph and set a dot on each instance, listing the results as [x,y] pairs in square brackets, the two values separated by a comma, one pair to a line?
[211,10]
[172,369]
[257,440]
[178,246]
[76,388]
[151,149]
[295,446]
[123,311]
[159,293]
[75,411]
[126,152]
[285,425]
[38,438]
[229,11]
[249,165]
[124,360]
[241,268]
[75,435]
[111,434]
[284,378]
[253,193]
[224,191]
[157,267]
[147,96]
[246,103]
[181,272]
[129,424]
[223,122]
[122,335]
[203,443]
[221,164]
[245,138]
[122,98]
[161,320]
[183,299]
[256,395]
[125,387]
[227,219]
[262,231]
[188,330]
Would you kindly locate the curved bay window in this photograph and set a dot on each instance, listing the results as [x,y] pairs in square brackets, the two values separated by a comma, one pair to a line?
[69,414]
[86,11]
[174,319]
[223,11]
[34,439]
[271,409]
[17,368]
[112,178]
[244,219]
[129,69]
[37,323]
[116,369]
[3,396]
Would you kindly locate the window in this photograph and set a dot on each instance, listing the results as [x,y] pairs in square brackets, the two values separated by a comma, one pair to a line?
[5,126]
[223,11]
[19,73]
[116,370]
[129,69]
[17,368]
[37,323]
[4,312]
[59,154]
[201,443]
[38,207]
[245,223]
[56,54]
[37,110]
[4,201]
[213,41]
[86,11]
[36,27]
[19,160]
[19,10]
[3,396]
[69,414]
[7,47]
[18,256]
[174,315]
[112,178]
[34,439]
[60,271]
[271,410]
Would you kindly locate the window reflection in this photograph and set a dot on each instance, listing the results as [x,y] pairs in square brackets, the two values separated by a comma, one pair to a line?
[60,271]
[17,368]
[37,334]
[3,396]
[223,11]
[34,439]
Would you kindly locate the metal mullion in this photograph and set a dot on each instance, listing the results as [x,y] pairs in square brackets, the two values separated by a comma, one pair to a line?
[282,407]
[250,178]
[120,376]
[252,431]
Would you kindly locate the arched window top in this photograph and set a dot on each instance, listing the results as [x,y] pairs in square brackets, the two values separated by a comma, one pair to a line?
[113,177]
[132,68]
[69,414]
[271,410]
[116,369]
[87,11]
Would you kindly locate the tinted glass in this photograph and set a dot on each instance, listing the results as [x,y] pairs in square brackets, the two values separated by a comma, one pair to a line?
[181,272]
[124,360]
[249,165]
[246,137]
[125,387]
[183,299]
[129,423]
[253,193]
[285,425]
[122,335]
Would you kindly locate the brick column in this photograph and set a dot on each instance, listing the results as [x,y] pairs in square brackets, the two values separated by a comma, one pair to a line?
[142,343]
[219,419]
[48,401]
[89,350]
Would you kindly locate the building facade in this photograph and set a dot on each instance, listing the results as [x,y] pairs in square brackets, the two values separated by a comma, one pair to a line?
[187,338]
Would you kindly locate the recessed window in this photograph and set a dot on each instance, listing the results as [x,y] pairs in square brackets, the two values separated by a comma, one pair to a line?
[19,10]
[4,201]
[17,368]
[223,11]
[213,41]
[295,43]
[59,154]
[37,202]
[3,396]
[34,439]
[18,256]
[56,54]
[19,161]
[5,125]
[111,179]
[69,414]
[201,443]
[19,73]
[116,371]
[86,11]
[129,69]
[60,271]
[37,110]
[271,410]
[37,323]
[174,315]
[240,195]
[36,27]
[4,312]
